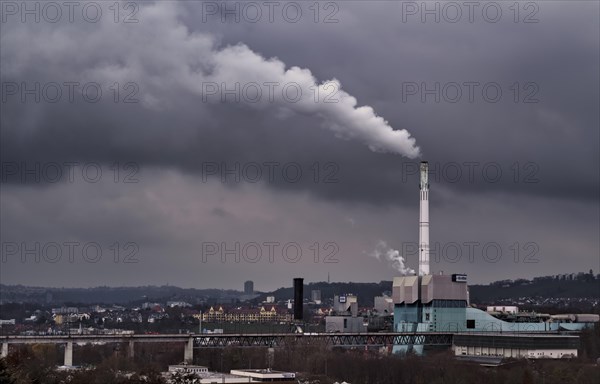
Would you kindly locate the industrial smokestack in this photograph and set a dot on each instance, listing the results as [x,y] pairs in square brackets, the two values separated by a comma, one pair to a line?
[298,298]
[424,220]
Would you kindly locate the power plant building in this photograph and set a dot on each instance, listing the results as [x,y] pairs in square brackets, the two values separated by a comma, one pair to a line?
[431,303]
[383,305]
[345,316]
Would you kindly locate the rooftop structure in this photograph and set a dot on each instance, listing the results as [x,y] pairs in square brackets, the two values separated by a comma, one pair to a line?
[264,374]
[235,376]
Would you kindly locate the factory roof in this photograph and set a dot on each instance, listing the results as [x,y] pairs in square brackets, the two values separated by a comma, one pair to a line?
[516,340]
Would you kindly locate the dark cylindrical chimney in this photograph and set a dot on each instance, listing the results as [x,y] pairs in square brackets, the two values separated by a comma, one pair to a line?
[298,298]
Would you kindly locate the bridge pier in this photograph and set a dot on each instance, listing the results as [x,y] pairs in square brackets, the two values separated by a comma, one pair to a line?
[69,354]
[131,350]
[4,350]
[270,357]
[188,354]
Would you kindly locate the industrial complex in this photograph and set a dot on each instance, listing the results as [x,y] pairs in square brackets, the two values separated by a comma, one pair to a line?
[437,303]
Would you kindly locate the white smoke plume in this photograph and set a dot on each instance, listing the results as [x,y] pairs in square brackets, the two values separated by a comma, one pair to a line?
[341,114]
[393,257]
[165,58]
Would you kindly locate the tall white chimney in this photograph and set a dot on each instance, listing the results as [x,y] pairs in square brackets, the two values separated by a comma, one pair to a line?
[424,220]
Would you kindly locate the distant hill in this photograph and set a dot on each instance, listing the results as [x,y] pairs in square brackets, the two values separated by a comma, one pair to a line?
[581,285]
[113,295]
[576,286]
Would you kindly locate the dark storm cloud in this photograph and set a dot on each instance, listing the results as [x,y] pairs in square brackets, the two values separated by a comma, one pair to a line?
[519,139]
[170,217]
[547,151]
[391,53]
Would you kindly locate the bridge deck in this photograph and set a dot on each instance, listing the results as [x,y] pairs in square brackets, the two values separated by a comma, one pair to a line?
[246,340]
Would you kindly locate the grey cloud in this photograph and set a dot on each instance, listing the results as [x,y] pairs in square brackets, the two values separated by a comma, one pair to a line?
[170,217]
[173,135]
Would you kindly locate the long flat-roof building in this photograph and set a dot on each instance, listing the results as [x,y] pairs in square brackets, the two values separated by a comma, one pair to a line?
[516,345]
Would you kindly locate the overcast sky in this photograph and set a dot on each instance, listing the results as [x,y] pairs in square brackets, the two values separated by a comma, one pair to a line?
[284,138]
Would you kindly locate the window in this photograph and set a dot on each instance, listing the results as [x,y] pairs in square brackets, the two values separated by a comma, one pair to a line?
[470,324]
[427,317]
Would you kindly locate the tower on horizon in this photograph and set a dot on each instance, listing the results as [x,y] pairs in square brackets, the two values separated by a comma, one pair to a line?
[249,287]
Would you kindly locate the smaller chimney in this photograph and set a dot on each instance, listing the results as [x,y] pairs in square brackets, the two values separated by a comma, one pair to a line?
[298,298]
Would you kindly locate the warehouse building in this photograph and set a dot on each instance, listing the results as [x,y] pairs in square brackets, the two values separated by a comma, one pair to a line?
[532,346]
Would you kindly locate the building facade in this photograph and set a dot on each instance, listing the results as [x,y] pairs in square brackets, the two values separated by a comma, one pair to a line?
[531,346]
[247,315]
